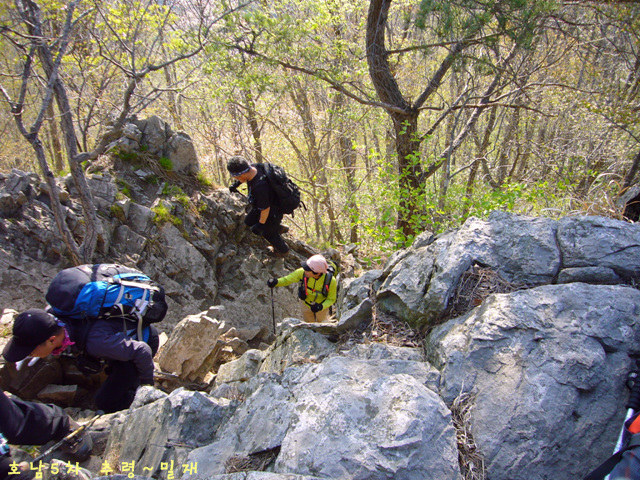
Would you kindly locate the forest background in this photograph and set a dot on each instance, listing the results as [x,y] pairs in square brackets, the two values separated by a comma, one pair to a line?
[394,117]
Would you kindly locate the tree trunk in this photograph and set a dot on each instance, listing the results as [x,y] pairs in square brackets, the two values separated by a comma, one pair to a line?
[252,119]
[31,14]
[56,147]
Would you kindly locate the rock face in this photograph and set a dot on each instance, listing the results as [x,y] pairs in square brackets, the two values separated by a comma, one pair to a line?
[418,283]
[540,369]
[192,243]
[541,366]
[545,366]
[156,137]
[208,257]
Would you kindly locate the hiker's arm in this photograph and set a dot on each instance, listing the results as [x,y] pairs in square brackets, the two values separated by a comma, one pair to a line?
[264,214]
[333,294]
[28,423]
[293,277]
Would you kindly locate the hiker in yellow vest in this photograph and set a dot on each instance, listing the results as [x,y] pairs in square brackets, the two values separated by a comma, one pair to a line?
[317,291]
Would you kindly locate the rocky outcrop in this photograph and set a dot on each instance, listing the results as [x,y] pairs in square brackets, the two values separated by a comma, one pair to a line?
[157,138]
[539,370]
[419,283]
[205,257]
[545,366]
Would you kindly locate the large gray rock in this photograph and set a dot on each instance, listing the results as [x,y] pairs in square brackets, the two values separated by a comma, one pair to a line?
[241,369]
[166,431]
[192,348]
[420,281]
[363,423]
[547,368]
[295,344]
[354,304]
[342,418]
[182,154]
[589,242]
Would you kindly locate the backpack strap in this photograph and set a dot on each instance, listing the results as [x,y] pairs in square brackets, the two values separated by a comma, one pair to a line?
[327,280]
[605,467]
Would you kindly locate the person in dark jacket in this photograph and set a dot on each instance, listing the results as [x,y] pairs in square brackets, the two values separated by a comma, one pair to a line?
[28,423]
[37,333]
[265,216]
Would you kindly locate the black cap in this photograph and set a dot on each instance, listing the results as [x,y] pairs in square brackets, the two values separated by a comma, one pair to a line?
[30,329]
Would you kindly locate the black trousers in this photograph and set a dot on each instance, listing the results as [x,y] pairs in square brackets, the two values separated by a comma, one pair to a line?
[271,227]
[119,389]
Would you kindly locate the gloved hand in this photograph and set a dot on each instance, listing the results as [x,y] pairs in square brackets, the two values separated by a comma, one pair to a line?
[272,282]
[257,228]
[80,446]
[233,188]
[315,307]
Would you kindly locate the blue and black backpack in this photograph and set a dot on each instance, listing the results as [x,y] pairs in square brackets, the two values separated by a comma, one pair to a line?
[105,290]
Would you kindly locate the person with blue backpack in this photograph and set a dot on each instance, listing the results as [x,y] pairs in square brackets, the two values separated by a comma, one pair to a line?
[317,288]
[268,203]
[37,333]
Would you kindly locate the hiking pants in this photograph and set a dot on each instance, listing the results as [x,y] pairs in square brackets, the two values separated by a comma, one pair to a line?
[119,389]
[310,317]
[271,227]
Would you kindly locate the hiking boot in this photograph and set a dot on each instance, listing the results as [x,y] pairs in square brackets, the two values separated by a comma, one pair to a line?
[278,244]
[283,229]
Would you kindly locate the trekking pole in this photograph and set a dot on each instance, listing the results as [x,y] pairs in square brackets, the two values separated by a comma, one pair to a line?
[273,312]
[68,439]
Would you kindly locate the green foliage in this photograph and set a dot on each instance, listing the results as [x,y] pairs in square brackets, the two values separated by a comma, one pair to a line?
[460,19]
[162,215]
[177,193]
[117,212]
[129,157]
[203,180]
[152,180]
[166,163]
[5,331]
[566,143]
[124,187]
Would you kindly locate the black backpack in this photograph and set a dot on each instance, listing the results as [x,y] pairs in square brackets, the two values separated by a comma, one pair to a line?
[288,193]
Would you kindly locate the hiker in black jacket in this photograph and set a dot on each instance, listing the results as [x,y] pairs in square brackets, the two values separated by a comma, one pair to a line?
[265,216]
[37,333]
[28,423]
